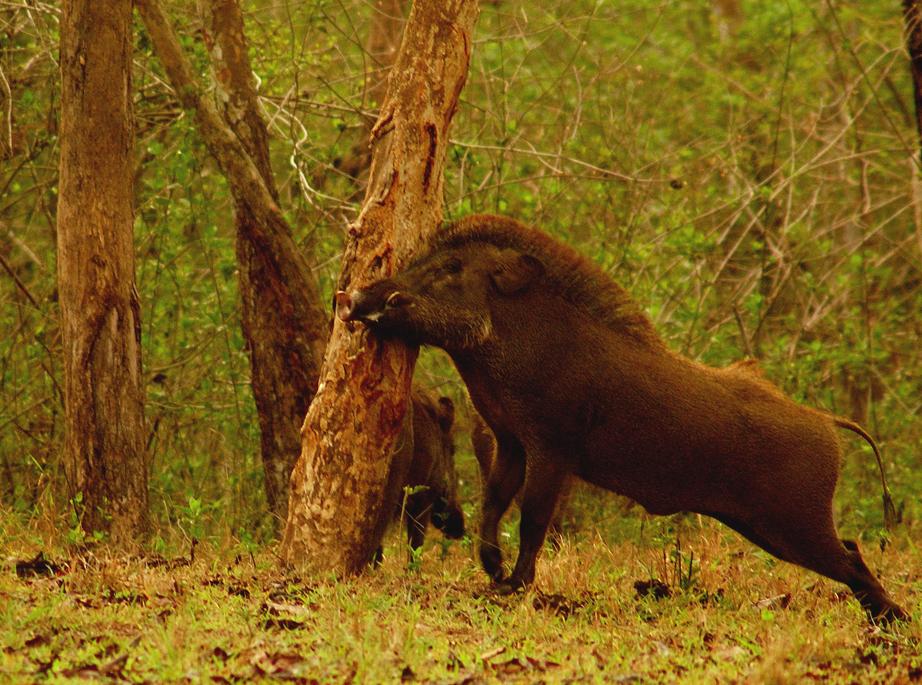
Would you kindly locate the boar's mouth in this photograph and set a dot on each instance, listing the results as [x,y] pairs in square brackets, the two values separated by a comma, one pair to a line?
[355,306]
[381,306]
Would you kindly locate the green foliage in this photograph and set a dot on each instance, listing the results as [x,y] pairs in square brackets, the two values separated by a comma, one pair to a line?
[748,181]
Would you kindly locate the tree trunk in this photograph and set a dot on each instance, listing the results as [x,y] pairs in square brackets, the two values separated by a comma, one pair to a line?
[912,19]
[104,454]
[285,350]
[350,430]
[284,322]
[381,48]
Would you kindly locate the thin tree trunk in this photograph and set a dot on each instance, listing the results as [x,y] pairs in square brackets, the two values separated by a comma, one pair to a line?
[351,427]
[384,34]
[104,454]
[912,18]
[284,321]
[244,179]
[285,350]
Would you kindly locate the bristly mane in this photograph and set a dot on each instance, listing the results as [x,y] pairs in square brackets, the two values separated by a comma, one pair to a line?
[569,274]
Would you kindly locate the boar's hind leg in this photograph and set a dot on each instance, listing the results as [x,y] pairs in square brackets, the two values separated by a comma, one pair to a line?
[543,482]
[814,543]
[504,480]
[868,589]
[818,548]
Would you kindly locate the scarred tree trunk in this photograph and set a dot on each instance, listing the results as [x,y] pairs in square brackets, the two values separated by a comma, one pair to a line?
[285,350]
[284,321]
[104,454]
[350,429]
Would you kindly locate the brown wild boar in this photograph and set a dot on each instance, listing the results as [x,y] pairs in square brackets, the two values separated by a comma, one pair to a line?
[424,465]
[572,378]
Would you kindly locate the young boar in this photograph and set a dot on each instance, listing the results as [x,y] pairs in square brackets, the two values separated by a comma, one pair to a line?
[572,378]
[424,464]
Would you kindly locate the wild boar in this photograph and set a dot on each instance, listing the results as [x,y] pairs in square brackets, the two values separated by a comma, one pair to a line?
[572,378]
[424,467]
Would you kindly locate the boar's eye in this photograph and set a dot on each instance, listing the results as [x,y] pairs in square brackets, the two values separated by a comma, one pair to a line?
[453,265]
[396,299]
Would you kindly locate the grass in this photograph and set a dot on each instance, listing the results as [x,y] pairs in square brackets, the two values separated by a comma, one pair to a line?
[731,614]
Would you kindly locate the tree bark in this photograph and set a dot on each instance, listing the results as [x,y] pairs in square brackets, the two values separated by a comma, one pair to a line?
[350,430]
[284,322]
[285,350]
[104,455]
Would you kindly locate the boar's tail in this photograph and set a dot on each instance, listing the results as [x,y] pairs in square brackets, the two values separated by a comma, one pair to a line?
[890,513]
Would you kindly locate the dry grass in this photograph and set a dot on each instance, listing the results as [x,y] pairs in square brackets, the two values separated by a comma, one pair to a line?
[740,617]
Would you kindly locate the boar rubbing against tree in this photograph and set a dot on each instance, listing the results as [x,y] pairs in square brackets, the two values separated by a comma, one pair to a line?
[572,378]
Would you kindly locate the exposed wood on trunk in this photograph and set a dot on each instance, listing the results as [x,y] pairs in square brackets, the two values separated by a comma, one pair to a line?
[285,349]
[104,455]
[353,423]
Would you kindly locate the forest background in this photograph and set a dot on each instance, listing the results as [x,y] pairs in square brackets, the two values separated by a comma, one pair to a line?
[748,171]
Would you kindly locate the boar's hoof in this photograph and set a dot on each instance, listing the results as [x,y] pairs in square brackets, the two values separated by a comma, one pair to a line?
[890,613]
[492,561]
[510,586]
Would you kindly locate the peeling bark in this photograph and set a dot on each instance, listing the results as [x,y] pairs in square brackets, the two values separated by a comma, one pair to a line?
[352,425]
[104,456]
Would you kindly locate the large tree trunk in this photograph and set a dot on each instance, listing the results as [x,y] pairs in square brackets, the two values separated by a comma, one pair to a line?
[284,321]
[285,350]
[350,430]
[104,453]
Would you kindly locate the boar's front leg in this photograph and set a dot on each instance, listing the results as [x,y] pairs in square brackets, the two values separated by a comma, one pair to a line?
[503,482]
[417,514]
[543,482]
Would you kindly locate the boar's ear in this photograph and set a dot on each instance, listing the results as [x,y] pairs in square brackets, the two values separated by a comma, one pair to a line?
[446,413]
[516,273]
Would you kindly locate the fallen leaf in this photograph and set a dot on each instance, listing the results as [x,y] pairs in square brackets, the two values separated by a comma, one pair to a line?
[282,623]
[776,602]
[37,641]
[559,605]
[652,588]
[486,656]
[37,566]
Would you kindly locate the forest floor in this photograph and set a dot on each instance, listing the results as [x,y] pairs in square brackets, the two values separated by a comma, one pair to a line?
[231,616]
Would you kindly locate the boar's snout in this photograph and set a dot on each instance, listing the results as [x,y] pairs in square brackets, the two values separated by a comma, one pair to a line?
[372,304]
[345,305]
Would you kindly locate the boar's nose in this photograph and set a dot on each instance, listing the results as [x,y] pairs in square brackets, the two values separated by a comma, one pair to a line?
[345,305]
